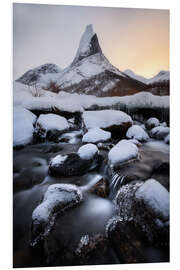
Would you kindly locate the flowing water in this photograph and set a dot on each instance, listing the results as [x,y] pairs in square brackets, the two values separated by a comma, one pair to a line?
[31,180]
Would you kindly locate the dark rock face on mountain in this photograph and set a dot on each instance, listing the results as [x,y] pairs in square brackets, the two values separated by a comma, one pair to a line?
[32,76]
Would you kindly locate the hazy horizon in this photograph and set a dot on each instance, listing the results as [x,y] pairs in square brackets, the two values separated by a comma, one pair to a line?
[136,39]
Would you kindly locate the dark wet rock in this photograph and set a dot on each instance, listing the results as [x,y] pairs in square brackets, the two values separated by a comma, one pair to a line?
[100,189]
[124,240]
[92,248]
[74,164]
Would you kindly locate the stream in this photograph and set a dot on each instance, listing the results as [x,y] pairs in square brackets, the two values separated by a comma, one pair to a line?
[31,180]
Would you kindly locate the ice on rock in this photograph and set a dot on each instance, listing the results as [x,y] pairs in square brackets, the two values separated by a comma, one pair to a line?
[95,135]
[62,195]
[156,197]
[137,132]
[52,122]
[123,151]
[160,132]
[23,129]
[105,118]
[87,151]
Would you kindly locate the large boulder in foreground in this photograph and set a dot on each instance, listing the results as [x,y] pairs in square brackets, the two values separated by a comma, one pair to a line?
[57,199]
[142,217]
[116,122]
[23,121]
[86,159]
[50,126]
[147,204]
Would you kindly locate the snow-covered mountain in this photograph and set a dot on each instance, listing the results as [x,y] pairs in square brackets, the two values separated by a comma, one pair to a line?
[162,76]
[133,75]
[33,76]
[90,73]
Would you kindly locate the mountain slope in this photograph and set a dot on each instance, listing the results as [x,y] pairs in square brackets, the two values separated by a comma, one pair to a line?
[162,76]
[33,76]
[131,74]
[91,72]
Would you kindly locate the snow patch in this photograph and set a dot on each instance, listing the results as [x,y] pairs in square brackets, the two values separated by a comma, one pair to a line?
[52,122]
[122,152]
[155,196]
[23,129]
[137,132]
[95,135]
[87,151]
[56,161]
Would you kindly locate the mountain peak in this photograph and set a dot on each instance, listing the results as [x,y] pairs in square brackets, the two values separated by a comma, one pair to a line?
[89,45]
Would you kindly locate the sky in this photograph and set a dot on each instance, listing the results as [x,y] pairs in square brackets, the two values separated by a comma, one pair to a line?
[136,39]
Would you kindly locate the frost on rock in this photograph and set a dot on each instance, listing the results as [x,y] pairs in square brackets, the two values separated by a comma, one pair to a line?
[152,122]
[167,139]
[105,118]
[123,151]
[23,129]
[56,161]
[95,135]
[58,197]
[160,132]
[87,151]
[155,197]
[138,133]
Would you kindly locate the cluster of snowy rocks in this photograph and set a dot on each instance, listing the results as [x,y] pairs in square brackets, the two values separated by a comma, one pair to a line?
[96,126]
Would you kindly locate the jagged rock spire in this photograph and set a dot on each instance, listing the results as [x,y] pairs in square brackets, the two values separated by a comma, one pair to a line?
[89,44]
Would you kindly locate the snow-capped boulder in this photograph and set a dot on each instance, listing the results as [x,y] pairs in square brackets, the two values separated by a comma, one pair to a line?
[123,151]
[167,139]
[23,121]
[87,159]
[96,135]
[58,198]
[116,122]
[160,132]
[152,122]
[146,206]
[138,133]
[50,126]
[155,198]
[88,151]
